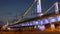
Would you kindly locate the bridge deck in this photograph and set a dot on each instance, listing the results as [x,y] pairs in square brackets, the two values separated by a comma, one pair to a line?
[39,18]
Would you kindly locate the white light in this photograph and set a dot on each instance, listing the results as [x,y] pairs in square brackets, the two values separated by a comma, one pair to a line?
[30,23]
[34,26]
[23,24]
[39,7]
[52,19]
[56,8]
[36,22]
[58,18]
[41,27]
[40,14]
[46,21]
[52,26]
[41,22]
[9,28]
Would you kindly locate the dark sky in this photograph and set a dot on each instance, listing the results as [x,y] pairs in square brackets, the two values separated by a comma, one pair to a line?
[8,8]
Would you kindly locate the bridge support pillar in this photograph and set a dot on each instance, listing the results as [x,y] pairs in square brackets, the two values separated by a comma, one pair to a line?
[52,27]
[35,26]
[41,27]
[56,8]
[39,10]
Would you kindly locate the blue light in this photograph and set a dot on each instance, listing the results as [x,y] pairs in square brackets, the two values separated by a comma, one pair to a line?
[52,19]
[41,22]
[41,27]
[58,18]
[22,24]
[36,22]
[30,24]
[27,24]
[45,21]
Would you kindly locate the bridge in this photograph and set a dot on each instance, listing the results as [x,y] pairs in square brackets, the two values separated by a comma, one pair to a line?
[42,17]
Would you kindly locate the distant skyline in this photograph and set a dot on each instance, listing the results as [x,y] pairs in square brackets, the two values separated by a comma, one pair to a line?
[8,8]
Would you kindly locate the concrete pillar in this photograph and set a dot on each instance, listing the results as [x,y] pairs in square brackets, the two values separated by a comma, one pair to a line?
[39,8]
[41,27]
[52,26]
[35,26]
[56,8]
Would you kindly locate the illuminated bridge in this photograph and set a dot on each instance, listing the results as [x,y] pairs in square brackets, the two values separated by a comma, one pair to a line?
[43,18]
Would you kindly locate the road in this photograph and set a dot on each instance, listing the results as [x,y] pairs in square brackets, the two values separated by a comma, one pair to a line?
[27,32]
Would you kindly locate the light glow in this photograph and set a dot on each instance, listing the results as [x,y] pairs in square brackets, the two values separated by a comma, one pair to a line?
[41,27]
[41,22]
[52,26]
[52,19]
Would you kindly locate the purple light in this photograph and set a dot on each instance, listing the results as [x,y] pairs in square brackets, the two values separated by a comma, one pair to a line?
[58,18]
[41,22]
[52,26]
[45,21]
[52,19]
[36,22]
[41,27]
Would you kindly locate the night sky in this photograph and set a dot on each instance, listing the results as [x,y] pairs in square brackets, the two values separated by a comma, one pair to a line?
[9,8]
